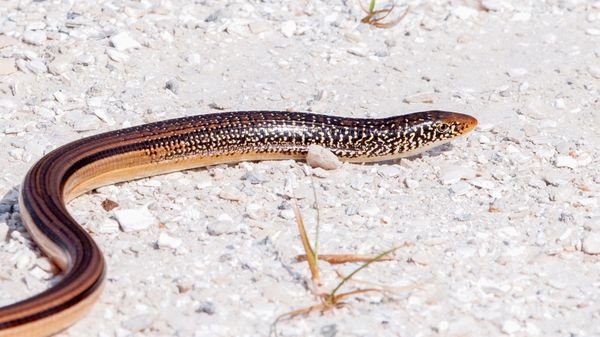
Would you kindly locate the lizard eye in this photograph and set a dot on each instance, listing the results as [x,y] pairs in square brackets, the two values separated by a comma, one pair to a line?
[443,127]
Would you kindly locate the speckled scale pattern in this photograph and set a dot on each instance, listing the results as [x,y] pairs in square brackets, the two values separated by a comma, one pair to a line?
[291,133]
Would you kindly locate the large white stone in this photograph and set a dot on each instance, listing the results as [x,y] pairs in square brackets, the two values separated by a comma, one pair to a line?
[132,220]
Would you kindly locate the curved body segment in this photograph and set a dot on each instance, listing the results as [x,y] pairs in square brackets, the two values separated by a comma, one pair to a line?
[174,145]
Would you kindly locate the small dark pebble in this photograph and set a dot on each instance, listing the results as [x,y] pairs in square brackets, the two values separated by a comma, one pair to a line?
[207,308]
[109,205]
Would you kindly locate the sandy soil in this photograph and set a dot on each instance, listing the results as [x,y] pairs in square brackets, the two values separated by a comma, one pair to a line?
[504,225]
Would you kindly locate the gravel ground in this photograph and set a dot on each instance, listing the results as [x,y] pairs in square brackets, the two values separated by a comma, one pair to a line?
[504,224]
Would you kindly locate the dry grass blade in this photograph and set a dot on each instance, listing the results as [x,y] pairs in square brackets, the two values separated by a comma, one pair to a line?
[312,260]
[343,258]
[365,265]
[375,17]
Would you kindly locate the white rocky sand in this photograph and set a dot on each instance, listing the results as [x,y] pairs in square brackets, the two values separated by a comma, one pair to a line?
[504,224]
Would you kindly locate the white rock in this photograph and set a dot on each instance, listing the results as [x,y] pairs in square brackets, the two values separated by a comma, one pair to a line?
[60,97]
[483,139]
[37,66]
[122,41]
[591,243]
[205,182]
[288,28]
[46,265]
[516,72]
[193,58]
[86,123]
[23,259]
[592,32]
[565,161]
[464,12]
[319,156]
[34,37]
[231,194]
[39,273]
[287,214]
[411,183]
[460,188]
[594,71]
[132,220]
[116,55]
[482,183]
[139,322]
[388,171]
[59,66]
[492,5]
[108,226]
[103,116]
[510,326]
[358,51]
[455,174]
[3,230]
[167,241]
[258,27]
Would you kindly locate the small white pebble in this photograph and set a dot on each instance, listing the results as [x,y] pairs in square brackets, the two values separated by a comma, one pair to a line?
[483,139]
[34,37]
[60,97]
[516,72]
[46,265]
[132,220]
[288,28]
[117,56]
[204,183]
[482,183]
[138,322]
[108,226]
[591,244]
[231,194]
[23,259]
[592,32]
[37,66]
[464,12]
[122,41]
[510,326]
[357,51]
[565,161]
[455,174]
[39,273]
[411,183]
[388,171]
[3,230]
[460,188]
[319,156]
[167,241]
